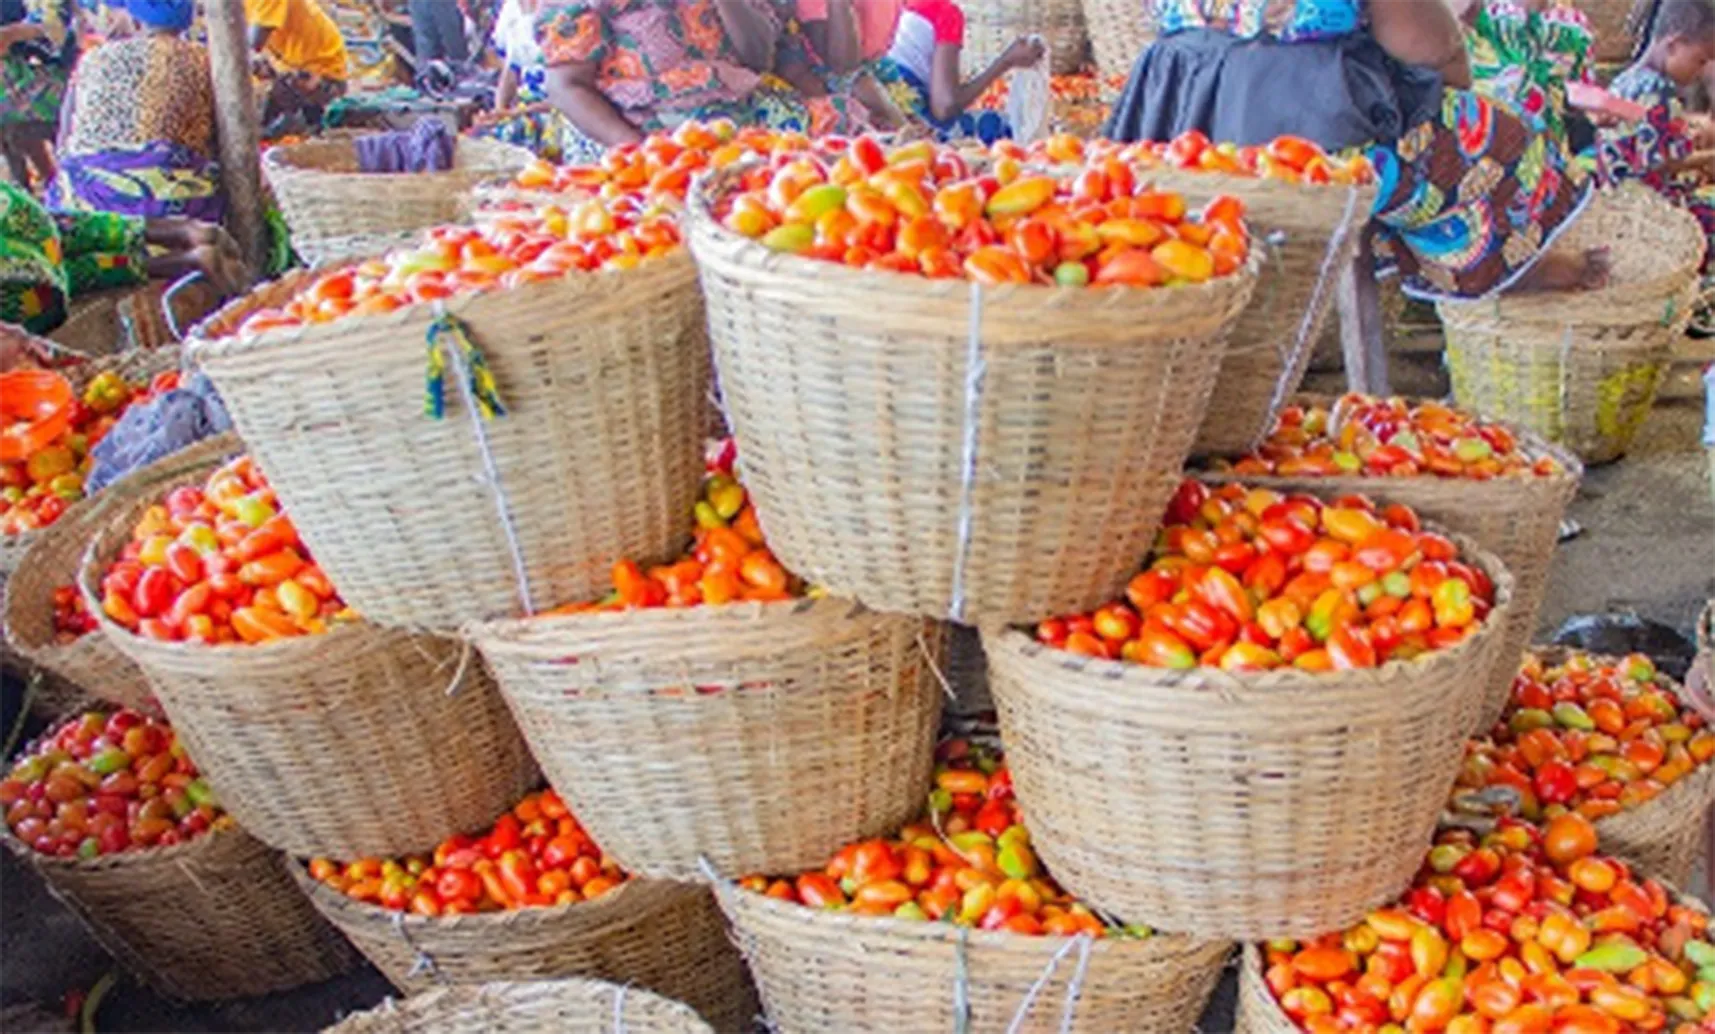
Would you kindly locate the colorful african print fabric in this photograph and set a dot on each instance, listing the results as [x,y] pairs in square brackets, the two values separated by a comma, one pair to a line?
[1524,58]
[46,258]
[1285,20]
[911,96]
[1470,199]
[134,92]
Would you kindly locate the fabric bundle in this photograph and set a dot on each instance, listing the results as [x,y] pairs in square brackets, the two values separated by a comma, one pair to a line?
[425,147]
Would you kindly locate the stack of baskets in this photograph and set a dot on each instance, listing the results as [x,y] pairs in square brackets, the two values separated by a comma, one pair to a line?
[1582,368]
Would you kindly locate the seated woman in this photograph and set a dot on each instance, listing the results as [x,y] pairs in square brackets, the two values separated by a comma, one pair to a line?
[619,69]
[519,116]
[1471,197]
[137,136]
[921,72]
[1523,53]
[840,45]
[38,48]
[46,259]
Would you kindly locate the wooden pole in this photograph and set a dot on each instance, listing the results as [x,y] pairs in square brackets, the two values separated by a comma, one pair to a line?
[236,120]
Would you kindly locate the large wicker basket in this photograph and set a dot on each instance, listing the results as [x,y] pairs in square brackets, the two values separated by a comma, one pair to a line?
[1516,518]
[939,448]
[323,195]
[1611,23]
[1274,804]
[214,917]
[571,1006]
[429,524]
[1119,32]
[838,971]
[992,25]
[1582,368]
[679,734]
[665,937]
[361,741]
[1270,348]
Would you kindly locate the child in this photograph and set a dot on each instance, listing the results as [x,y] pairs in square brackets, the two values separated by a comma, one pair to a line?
[1657,149]
[921,71]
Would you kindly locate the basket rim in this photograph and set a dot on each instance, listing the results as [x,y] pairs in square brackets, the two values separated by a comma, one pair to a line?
[330,901]
[705,228]
[1278,680]
[506,634]
[429,1006]
[279,158]
[1158,942]
[198,345]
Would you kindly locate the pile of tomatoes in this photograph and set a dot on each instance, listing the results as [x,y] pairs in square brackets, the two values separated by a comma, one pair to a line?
[1523,931]
[1361,435]
[1250,579]
[968,862]
[1588,735]
[661,166]
[534,856]
[106,782]
[219,563]
[35,492]
[1288,158]
[920,208]
[728,559]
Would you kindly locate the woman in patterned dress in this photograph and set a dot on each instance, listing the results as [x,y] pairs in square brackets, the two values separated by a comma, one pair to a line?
[1470,196]
[1524,52]
[620,69]
[38,47]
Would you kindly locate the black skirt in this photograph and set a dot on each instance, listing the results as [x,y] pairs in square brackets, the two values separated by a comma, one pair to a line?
[1341,93]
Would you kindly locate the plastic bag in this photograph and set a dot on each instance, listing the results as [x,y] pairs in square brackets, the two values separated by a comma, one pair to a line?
[1027,100]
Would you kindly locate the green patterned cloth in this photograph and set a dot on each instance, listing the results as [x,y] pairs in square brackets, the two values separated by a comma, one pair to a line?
[1523,58]
[46,258]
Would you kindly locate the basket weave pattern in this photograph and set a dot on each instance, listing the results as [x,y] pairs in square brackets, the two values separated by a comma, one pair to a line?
[528,1007]
[933,447]
[663,937]
[1119,32]
[214,917]
[992,25]
[677,734]
[1515,518]
[599,455]
[323,195]
[1274,804]
[1582,368]
[361,741]
[836,971]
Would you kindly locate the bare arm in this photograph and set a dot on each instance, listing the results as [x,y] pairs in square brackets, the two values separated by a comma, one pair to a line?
[800,78]
[948,98]
[840,47]
[19,32]
[1414,32]
[506,91]
[572,89]
[751,32]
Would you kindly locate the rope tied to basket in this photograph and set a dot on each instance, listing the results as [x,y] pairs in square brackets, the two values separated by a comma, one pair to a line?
[482,401]
[619,994]
[976,369]
[962,982]
[421,962]
[1082,942]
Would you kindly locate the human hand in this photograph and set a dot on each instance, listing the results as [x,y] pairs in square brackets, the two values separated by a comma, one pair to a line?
[1023,52]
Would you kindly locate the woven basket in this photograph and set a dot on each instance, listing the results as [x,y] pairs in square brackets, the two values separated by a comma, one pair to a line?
[1516,518]
[1276,804]
[323,196]
[1582,368]
[938,448]
[966,671]
[992,25]
[815,701]
[1272,342]
[214,917]
[1610,22]
[604,376]
[664,937]
[837,971]
[361,741]
[1119,30]
[528,1007]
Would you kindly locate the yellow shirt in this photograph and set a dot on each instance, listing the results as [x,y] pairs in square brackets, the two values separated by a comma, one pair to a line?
[305,38]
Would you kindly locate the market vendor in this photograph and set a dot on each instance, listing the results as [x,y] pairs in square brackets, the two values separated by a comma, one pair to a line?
[306,58]
[1471,196]
[620,69]
[38,48]
[48,258]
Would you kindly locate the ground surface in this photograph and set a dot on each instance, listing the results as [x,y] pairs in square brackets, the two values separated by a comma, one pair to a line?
[1648,547]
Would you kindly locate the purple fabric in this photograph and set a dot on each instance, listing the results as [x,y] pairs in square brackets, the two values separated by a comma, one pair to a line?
[426,147]
[157,180]
[157,428]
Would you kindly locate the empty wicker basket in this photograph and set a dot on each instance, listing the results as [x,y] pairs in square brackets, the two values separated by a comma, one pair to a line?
[838,971]
[326,199]
[679,734]
[1582,368]
[664,937]
[993,24]
[939,448]
[528,1007]
[1274,804]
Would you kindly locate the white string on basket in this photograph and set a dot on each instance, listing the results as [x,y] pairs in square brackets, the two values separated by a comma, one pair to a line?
[1042,982]
[1076,987]
[962,982]
[1027,99]
[423,962]
[1301,341]
[975,369]
[491,470]
[935,669]
[619,1007]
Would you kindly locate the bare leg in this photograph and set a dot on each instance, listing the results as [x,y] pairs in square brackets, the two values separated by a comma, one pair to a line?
[15,163]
